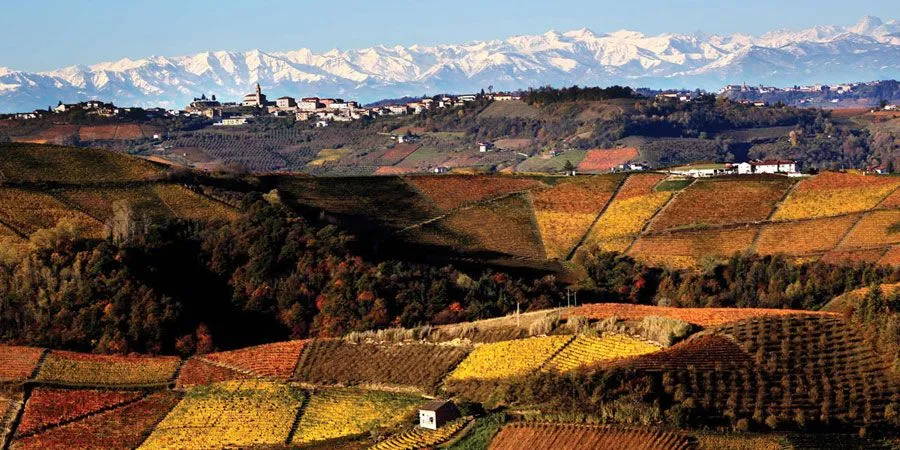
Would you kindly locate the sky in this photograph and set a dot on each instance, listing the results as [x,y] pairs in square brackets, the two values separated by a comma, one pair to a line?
[40,35]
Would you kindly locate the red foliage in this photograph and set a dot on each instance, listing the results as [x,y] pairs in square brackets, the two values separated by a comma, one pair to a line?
[271,360]
[17,363]
[704,317]
[121,428]
[47,407]
[198,372]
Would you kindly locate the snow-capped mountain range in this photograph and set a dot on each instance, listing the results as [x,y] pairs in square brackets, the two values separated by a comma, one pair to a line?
[868,50]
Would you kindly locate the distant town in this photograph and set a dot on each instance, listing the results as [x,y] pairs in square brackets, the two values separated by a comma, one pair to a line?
[323,111]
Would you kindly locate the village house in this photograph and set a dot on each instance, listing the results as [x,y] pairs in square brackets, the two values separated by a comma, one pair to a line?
[310,104]
[398,110]
[285,102]
[435,414]
[702,170]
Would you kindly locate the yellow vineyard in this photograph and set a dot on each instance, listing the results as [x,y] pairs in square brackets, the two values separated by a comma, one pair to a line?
[832,194]
[508,359]
[334,414]
[231,414]
[420,437]
[588,350]
[627,217]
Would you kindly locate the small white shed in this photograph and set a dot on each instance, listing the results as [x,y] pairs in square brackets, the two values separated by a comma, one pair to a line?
[435,414]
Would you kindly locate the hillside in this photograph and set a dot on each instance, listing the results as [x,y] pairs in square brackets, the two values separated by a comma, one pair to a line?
[834,217]
[735,374]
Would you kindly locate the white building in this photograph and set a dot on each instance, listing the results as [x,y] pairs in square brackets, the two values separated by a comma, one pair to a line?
[744,168]
[774,166]
[256,99]
[233,122]
[485,146]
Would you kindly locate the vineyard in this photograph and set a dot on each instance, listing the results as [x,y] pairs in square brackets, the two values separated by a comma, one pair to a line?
[874,229]
[27,211]
[832,194]
[332,414]
[504,226]
[508,359]
[47,407]
[588,351]
[567,436]
[684,249]
[28,163]
[196,371]
[603,160]
[449,192]
[704,317]
[82,369]
[566,211]
[799,238]
[419,366]
[257,152]
[270,360]
[634,204]
[385,201]
[417,438]
[18,363]
[720,201]
[235,413]
[124,427]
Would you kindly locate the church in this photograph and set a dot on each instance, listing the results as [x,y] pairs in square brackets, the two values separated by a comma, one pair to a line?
[257,99]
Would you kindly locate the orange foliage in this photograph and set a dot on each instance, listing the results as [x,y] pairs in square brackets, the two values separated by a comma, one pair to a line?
[797,238]
[600,160]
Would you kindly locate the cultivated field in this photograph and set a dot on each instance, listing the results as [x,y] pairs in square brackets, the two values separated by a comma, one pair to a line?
[508,359]
[566,436]
[832,193]
[606,159]
[416,366]
[26,163]
[449,192]
[337,413]
[504,226]
[566,211]
[231,414]
[270,360]
[83,369]
[17,363]
[589,351]
[720,201]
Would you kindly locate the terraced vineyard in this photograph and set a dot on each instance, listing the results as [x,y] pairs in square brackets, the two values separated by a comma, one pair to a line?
[417,438]
[588,351]
[800,238]
[332,414]
[27,211]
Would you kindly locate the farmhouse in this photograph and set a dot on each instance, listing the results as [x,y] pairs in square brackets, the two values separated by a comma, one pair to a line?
[485,146]
[436,413]
[702,170]
[233,121]
[774,166]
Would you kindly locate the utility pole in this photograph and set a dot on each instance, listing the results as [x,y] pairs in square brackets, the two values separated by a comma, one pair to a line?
[518,319]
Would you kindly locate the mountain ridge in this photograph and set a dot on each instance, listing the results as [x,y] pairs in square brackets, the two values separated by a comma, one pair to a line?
[869,49]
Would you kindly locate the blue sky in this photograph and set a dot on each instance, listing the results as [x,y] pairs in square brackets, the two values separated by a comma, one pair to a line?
[48,34]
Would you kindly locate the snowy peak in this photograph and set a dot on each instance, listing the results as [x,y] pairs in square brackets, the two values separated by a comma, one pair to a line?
[869,49]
